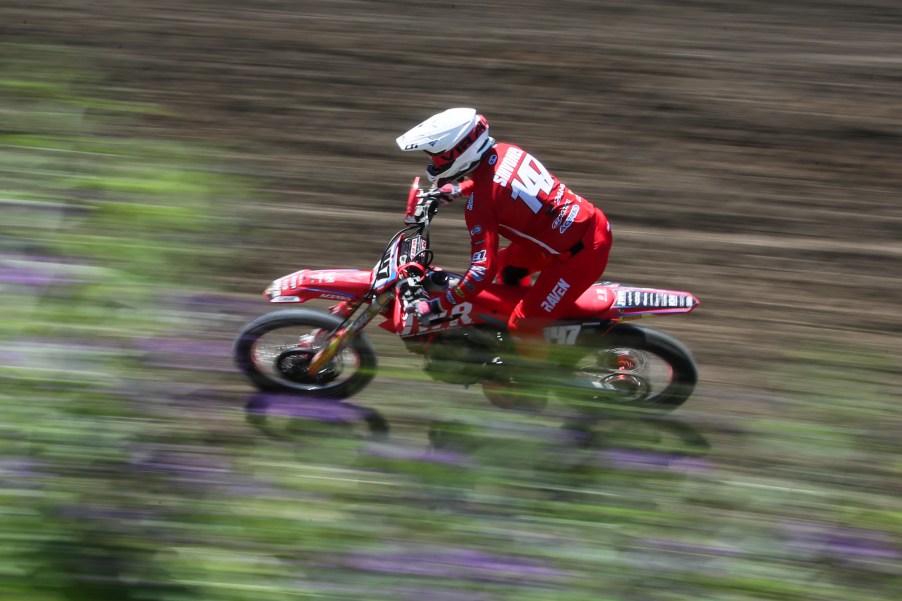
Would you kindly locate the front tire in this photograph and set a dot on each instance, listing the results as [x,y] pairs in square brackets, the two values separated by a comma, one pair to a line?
[271,351]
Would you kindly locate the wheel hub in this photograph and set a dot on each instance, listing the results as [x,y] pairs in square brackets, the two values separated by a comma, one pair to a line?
[622,374]
[626,387]
[293,364]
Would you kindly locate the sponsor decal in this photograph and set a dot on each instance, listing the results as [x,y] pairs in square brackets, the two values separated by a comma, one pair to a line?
[493,159]
[508,163]
[551,301]
[459,316]
[417,245]
[321,277]
[560,216]
[335,296]
[477,272]
[571,217]
[293,281]
[476,230]
[470,202]
[478,256]
[416,145]
[642,299]
[286,299]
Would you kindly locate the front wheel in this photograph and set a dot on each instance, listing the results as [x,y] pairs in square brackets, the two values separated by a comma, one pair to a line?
[632,367]
[274,350]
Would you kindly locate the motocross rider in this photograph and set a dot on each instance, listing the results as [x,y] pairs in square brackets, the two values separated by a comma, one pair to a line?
[552,230]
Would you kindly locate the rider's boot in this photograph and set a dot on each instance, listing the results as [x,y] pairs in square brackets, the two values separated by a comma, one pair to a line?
[523,381]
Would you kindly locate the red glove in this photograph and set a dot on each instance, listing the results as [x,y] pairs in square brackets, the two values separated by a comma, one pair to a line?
[448,193]
[444,195]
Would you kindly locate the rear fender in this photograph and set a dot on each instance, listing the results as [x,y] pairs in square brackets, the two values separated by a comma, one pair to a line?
[329,284]
[611,301]
[632,303]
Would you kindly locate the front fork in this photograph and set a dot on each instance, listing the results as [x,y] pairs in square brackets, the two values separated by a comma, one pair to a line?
[344,334]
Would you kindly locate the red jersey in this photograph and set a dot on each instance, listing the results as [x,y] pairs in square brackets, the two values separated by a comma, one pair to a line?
[511,194]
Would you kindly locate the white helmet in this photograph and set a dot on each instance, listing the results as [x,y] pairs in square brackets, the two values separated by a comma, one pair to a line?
[455,139]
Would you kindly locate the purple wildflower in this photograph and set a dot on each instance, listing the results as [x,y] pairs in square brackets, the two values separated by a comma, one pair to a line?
[458,564]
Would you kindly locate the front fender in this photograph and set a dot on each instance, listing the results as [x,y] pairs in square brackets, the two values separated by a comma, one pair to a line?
[329,284]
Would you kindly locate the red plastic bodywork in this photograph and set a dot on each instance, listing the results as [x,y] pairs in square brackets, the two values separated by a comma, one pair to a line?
[329,284]
[605,301]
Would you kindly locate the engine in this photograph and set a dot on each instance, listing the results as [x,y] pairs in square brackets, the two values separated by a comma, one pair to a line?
[465,356]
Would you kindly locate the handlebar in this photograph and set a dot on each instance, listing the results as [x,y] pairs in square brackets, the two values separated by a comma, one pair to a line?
[415,279]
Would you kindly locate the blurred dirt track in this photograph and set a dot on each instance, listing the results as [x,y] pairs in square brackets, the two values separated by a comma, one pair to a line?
[749,152]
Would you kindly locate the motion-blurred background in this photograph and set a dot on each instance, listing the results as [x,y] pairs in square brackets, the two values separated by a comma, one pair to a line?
[161,162]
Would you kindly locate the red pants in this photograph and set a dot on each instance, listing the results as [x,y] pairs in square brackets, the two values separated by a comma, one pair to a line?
[562,278]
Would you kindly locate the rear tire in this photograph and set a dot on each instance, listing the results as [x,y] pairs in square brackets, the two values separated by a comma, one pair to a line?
[636,367]
[346,375]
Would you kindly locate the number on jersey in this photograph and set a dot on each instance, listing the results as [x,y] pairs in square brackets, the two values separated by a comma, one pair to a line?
[531,179]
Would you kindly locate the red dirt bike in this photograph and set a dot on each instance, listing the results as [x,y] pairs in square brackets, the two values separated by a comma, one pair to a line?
[326,354]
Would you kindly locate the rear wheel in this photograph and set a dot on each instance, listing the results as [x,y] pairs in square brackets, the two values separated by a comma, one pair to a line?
[632,367]
[274,351]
